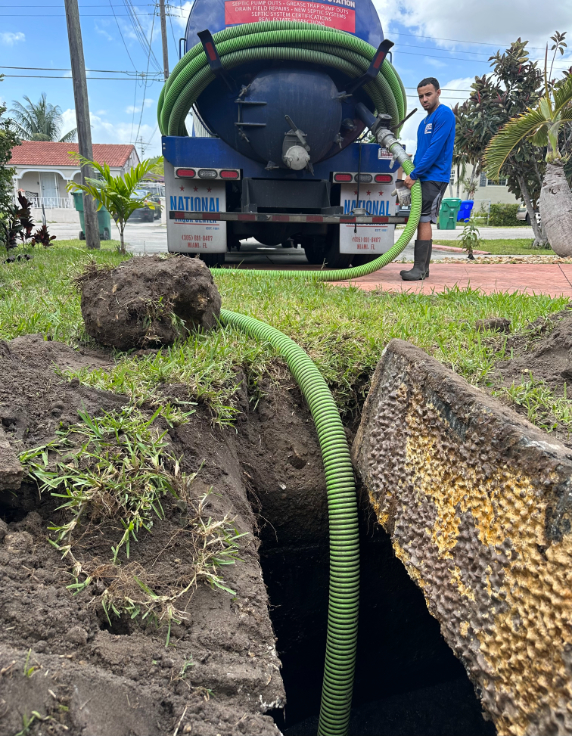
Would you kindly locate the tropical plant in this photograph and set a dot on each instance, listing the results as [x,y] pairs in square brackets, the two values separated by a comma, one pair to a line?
[18,223]
[542,126]
[514,85]
[39,121]
[470,237]
[117,193]
[8,139]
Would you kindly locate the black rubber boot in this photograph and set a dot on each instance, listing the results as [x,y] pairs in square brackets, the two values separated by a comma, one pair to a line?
[428,261]
[421,257]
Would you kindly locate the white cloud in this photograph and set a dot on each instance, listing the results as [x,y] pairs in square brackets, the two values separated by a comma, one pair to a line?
[7,38]
[437,63]
[488,21]
[181,17]
[147,102]
[104,131]
[103,33]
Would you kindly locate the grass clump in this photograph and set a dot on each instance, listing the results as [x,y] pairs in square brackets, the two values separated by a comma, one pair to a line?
[543,408]
[117,467]
[119,471]
[506,247]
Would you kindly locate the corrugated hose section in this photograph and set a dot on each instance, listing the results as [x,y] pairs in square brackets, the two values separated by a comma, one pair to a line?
[326,47]
[343,524]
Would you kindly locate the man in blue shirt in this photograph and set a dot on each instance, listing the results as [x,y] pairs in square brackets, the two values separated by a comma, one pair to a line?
[433,161]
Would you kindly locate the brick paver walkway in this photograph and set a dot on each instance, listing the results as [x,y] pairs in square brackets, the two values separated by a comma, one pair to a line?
[550,279]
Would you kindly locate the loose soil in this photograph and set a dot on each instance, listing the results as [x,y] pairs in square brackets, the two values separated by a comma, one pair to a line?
[63,659]
[543,352]
[60,656]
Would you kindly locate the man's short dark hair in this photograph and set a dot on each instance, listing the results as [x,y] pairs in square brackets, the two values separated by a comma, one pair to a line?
[429,80]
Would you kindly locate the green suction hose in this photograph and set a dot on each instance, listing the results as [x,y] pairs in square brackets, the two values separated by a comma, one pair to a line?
[287,40]
[343,523]
[293,41]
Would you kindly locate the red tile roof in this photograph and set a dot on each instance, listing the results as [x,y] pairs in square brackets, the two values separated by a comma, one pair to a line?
[46,153]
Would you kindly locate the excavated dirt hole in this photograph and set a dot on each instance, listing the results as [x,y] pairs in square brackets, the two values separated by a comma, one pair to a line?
[407,680]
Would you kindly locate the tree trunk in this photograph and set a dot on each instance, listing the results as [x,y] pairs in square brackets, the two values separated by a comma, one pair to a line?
[458,181]
[540,240]
[556,209]
[121,241]
[472,185]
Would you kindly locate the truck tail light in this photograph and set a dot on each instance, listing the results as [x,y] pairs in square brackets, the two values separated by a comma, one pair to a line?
[186,173]
[343,177]
[363,177]
[384,178]
[207,174]
[229,174]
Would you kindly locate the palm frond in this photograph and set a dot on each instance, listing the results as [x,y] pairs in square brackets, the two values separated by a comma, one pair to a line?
[508,137]
[563,94]
[69,137]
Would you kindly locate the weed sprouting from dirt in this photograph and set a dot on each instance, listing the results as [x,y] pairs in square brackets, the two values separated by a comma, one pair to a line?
[117,467]
[207,545]
[121,470]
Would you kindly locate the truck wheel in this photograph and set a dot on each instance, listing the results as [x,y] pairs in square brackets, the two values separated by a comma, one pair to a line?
[314,254]
[213,260]
[361,260]
[333,257]
[150,216]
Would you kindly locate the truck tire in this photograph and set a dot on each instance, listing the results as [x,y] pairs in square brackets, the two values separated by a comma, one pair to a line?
[213,260]
[333,257]
[314,254]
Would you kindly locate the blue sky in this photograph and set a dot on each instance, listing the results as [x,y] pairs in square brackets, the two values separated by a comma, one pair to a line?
[449,39]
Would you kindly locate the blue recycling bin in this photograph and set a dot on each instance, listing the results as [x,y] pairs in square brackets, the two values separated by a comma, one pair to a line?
[465,211]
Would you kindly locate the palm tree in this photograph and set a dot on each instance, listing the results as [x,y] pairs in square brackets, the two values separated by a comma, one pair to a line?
[118,194]
[542,126]
[39,122]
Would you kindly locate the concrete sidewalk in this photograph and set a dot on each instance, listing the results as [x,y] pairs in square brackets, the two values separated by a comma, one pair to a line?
[550,279]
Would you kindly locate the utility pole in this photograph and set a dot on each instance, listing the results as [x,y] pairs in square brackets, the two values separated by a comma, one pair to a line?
[82,118]
[164,39]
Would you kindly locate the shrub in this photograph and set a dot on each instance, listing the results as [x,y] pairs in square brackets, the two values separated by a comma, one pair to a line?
[502,215]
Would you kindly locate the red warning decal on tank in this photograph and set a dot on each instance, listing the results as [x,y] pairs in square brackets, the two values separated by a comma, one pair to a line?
[338,14]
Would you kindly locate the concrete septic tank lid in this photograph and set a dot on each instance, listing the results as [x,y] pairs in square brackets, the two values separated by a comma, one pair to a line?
[477,502]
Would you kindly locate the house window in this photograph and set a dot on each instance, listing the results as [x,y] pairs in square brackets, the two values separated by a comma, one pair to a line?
[483,180]
[499,183]
[452,178]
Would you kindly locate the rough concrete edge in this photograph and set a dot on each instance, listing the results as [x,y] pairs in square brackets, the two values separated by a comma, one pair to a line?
[478,405]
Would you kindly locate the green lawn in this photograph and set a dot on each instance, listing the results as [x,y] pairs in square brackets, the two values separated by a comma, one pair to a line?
[505,247]
[343,329]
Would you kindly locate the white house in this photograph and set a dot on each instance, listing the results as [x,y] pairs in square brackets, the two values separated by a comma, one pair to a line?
[487,192]
[45,168]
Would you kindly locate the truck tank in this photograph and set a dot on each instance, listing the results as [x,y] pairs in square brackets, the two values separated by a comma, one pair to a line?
[276,86]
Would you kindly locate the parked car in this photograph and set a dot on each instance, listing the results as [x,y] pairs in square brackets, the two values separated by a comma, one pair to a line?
[522,214]
[157,202]
[146,213]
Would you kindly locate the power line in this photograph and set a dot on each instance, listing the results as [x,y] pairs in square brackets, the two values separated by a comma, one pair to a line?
[45,76]
[140,34]
[145,87]
[457,40]
[121,34]
[102,71]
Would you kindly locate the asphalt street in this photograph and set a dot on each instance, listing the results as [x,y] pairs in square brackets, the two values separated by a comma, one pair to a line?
[151,237]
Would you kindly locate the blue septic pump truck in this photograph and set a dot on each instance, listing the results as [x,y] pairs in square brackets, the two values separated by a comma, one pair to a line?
[281,93]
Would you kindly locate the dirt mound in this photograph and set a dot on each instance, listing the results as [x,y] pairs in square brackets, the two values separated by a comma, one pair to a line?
[147,301]
[68,667]
[542,364]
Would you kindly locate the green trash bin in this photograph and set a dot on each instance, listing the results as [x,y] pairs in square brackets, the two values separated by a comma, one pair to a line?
[103,218]
[448,214]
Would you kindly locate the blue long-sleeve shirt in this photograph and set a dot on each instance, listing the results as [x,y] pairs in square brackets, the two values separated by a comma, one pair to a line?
[435,141]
